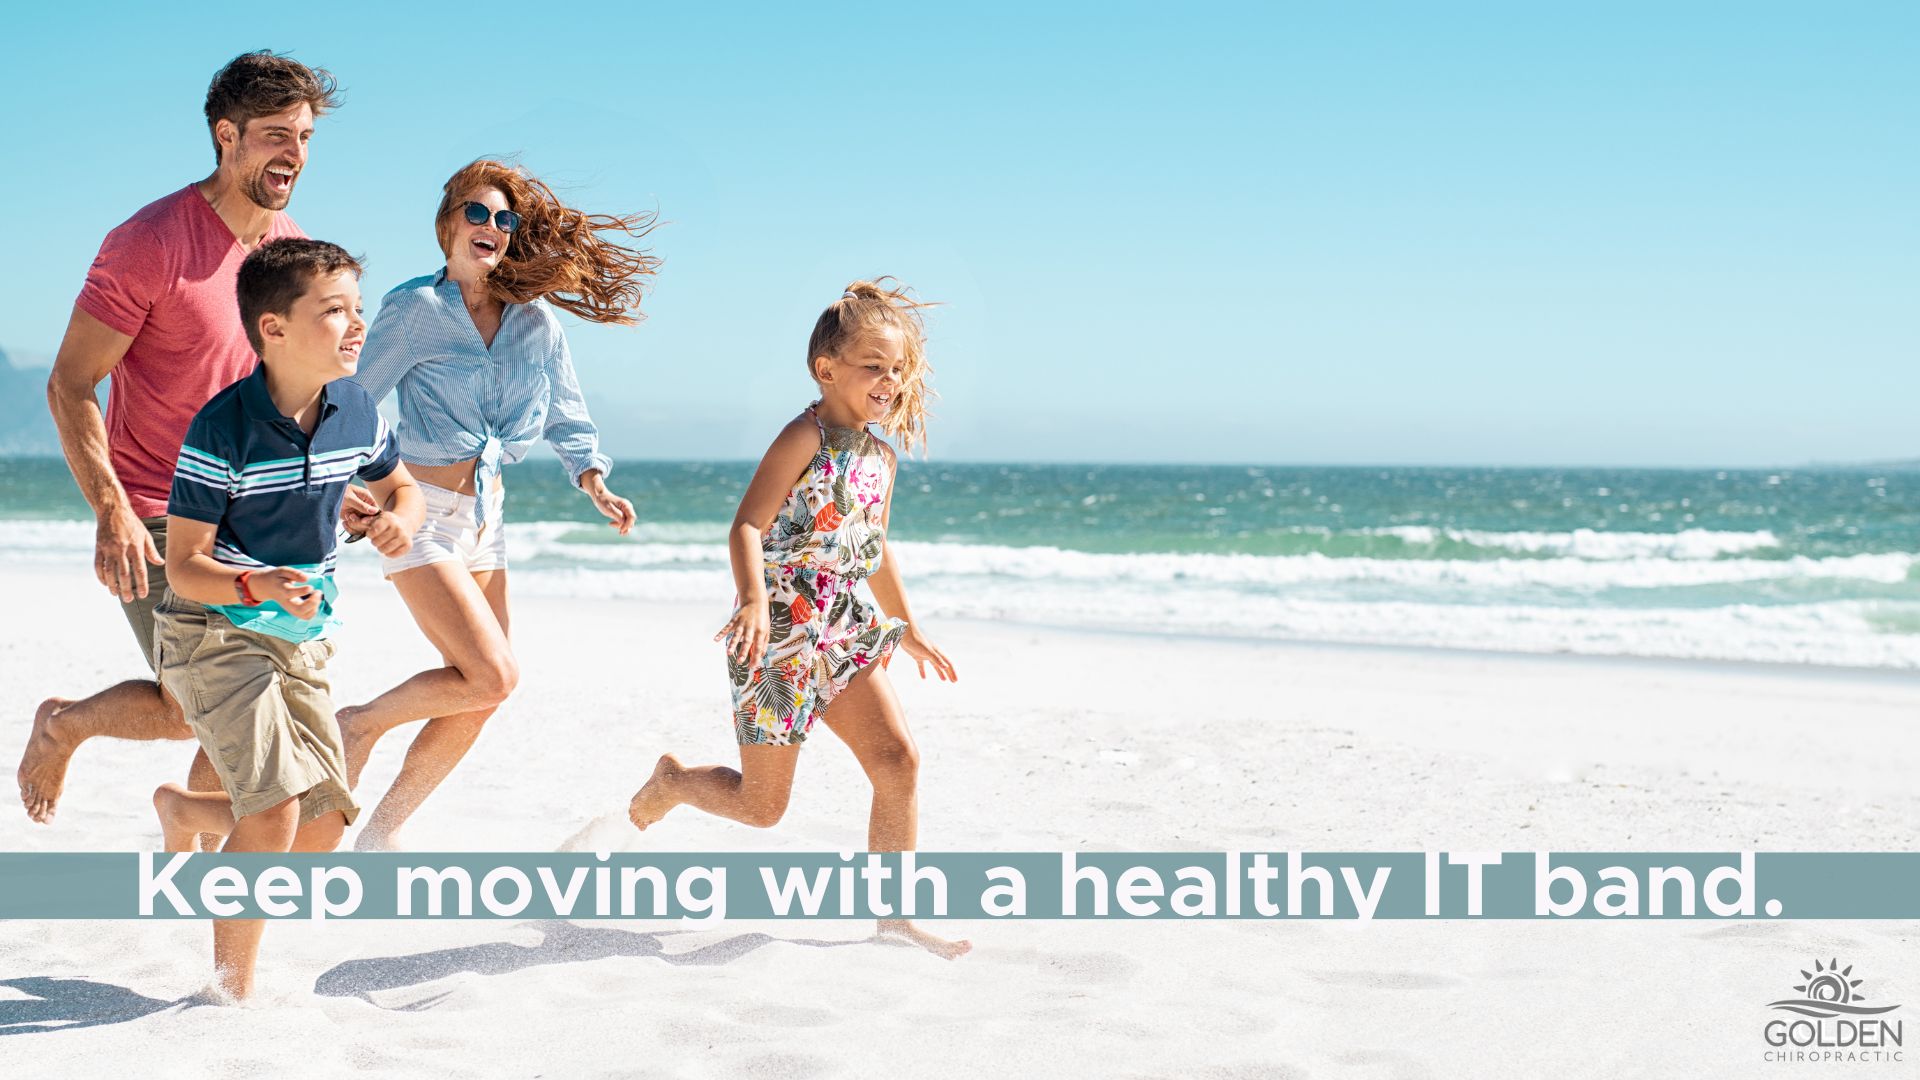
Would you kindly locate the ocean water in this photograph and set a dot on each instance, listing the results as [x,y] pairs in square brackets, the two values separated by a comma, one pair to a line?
[1804,566]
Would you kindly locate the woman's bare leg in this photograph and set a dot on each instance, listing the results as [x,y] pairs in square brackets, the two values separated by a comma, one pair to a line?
[755,794]
[447,737]
[868,718]
[454,610]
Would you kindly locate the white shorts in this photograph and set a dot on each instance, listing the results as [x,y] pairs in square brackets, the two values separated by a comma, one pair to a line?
[449,534]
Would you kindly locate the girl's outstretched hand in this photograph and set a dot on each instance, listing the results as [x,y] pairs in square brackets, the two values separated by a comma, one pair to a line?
[619,511]
[746,633]
[924,652]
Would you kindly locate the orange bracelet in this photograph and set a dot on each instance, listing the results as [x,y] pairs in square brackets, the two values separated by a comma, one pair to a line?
[244,591]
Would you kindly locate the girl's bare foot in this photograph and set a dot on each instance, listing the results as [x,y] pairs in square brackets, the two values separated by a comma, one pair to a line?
[43,767]
[655,798]
[177,831]
[355,742]
[904,932]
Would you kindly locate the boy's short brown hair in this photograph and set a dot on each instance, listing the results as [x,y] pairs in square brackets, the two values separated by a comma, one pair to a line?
[278,272]
[261,83]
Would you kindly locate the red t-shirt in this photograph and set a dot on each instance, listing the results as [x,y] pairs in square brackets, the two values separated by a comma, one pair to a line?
[166,278]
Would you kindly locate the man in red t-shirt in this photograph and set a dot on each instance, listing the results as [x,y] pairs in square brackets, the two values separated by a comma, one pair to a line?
[158,313]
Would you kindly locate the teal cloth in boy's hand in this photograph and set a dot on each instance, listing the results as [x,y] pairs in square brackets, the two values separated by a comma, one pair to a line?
[272,619]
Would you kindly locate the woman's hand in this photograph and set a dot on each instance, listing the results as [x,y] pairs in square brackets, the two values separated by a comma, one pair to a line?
[924,652]
[390,538]
[619,511]
[746,633]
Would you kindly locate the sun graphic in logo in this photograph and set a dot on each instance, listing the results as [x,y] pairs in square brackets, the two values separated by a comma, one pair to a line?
[1829,992]
[1828,985]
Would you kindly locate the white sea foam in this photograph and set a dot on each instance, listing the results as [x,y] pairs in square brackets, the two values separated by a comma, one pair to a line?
[1850,609]
[571,547]
[1045,563]
[1592,543]
[1270,571]
[1843,633]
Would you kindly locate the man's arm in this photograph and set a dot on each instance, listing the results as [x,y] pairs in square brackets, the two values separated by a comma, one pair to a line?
[122,548]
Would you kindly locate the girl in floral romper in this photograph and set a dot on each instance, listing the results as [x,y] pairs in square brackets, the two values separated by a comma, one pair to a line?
[802,644]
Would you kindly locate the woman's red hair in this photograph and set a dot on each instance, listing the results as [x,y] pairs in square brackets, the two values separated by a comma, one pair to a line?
[558,253]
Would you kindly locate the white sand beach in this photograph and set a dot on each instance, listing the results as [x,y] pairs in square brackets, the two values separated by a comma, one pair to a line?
[1052,740]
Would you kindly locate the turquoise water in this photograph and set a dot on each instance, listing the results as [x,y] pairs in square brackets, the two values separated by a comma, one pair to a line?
[1273,510]
[1782,565]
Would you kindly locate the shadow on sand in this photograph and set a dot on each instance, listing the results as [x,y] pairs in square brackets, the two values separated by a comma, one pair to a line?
[62,1004]
[560,943]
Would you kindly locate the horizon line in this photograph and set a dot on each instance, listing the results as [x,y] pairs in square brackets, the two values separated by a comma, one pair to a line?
[1811,466]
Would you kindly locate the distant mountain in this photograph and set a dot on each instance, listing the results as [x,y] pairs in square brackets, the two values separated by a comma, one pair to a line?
[26,428]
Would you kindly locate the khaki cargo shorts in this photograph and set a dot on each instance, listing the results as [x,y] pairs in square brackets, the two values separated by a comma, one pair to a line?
[260,706]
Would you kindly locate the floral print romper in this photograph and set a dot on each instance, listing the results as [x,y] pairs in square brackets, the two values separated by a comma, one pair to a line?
[825,540]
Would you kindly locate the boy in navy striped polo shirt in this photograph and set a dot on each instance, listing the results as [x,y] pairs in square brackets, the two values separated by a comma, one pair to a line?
[241,638]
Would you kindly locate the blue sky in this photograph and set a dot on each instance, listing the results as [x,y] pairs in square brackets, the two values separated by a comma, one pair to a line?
[1284,233]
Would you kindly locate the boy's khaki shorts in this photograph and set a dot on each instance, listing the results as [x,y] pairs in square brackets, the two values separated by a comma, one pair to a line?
[260,706]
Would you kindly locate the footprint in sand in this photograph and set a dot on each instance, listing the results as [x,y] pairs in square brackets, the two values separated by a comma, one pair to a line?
[783,1066]
[1253,1070]
[1094,967]
[786,1016]
[1388,980]
[1226,1020]
[1403,1067]
[1081,967]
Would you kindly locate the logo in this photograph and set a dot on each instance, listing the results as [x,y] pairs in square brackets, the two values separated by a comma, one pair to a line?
[1829,993]
[1843,1028]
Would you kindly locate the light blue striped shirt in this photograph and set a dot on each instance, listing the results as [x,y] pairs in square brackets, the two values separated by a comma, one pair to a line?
[460,400]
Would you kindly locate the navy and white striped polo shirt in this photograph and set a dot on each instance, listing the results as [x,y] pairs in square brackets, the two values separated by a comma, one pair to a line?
[275,491]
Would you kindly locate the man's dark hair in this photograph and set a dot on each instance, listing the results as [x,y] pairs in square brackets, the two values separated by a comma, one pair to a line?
[262,83]
[278,273]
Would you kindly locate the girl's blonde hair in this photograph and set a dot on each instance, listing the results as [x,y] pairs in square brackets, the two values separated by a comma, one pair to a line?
[869,305]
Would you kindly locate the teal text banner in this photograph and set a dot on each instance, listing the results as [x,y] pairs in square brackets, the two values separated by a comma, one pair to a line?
[965,885]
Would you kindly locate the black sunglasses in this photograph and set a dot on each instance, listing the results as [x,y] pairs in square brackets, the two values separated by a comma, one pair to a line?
[504,220]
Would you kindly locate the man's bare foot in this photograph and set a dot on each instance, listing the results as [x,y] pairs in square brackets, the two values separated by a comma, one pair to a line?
[43,767]
[904,932]
[655,798]
[355,741]
[171,802]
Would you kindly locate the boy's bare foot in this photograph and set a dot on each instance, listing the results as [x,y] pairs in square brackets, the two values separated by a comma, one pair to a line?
[231,986]
[170,802]
[43,767]
[655,798]
[904,932]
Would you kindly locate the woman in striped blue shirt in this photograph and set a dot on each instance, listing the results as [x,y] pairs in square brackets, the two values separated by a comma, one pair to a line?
[478,356]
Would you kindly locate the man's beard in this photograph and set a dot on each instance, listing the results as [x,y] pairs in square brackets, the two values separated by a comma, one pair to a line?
[255,188]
